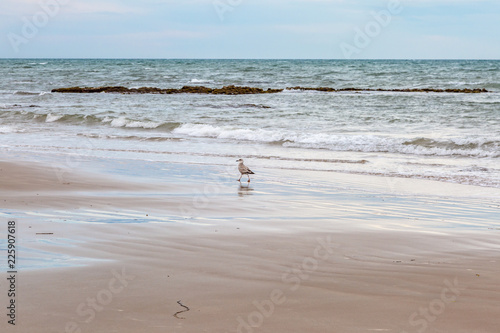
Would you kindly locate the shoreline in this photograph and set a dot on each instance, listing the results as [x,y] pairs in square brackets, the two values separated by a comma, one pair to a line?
[304,252]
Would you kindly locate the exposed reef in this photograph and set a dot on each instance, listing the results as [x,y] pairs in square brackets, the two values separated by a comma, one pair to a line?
[328,89]
[239,90]
[227,90]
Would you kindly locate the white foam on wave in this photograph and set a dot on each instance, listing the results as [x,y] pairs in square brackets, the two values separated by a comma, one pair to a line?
[387,144]
[198,130]
[201,81]
[143,124]
[52,118]
[203,130]
[7,129]
[118,122]
[334,142]
[124,122]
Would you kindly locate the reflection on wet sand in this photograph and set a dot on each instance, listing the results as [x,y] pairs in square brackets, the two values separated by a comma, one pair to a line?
[245,190]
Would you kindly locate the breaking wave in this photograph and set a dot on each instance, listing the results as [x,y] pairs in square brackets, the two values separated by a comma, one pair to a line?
[465,147]
[82,119]
[470,146]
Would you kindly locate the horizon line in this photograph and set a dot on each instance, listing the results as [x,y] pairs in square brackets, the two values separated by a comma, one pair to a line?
[335,59]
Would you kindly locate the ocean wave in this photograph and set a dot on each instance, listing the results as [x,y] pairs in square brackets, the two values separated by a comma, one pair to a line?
[473,146]
[495,86]
[84,119]
[7,129]
[50,118]
[453,144]
[247,134]
[71,119]
[372,143]
[200,81]
[144,124]
[466,147]
[127,137]
[236,106]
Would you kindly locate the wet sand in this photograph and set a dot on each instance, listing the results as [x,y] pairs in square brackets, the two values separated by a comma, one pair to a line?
[130,246]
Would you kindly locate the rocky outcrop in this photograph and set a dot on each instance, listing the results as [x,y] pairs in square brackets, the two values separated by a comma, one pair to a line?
[227,90]
[327,89]
[239,90]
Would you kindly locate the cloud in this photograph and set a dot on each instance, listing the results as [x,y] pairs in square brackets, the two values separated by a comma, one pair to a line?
[30,7]
[437,2]
[253,28]
[86,7]
[162,35]
[309,29]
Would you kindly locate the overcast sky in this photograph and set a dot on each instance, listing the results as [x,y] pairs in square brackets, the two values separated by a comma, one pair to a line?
[327,29]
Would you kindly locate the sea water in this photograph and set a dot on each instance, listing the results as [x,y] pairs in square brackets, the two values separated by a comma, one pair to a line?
[448,137]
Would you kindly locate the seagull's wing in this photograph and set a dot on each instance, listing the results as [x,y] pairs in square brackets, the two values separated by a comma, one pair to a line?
[244,169]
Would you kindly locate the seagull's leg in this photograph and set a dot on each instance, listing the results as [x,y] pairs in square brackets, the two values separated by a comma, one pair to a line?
[248,178]
[240,178]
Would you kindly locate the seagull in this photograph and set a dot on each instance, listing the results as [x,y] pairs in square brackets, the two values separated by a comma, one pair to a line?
[244,170]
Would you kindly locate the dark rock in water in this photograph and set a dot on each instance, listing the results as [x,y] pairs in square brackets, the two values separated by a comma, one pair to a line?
[327,89]
[260,106]
[30,106]
[227,90]
[89,90]
[239,90]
